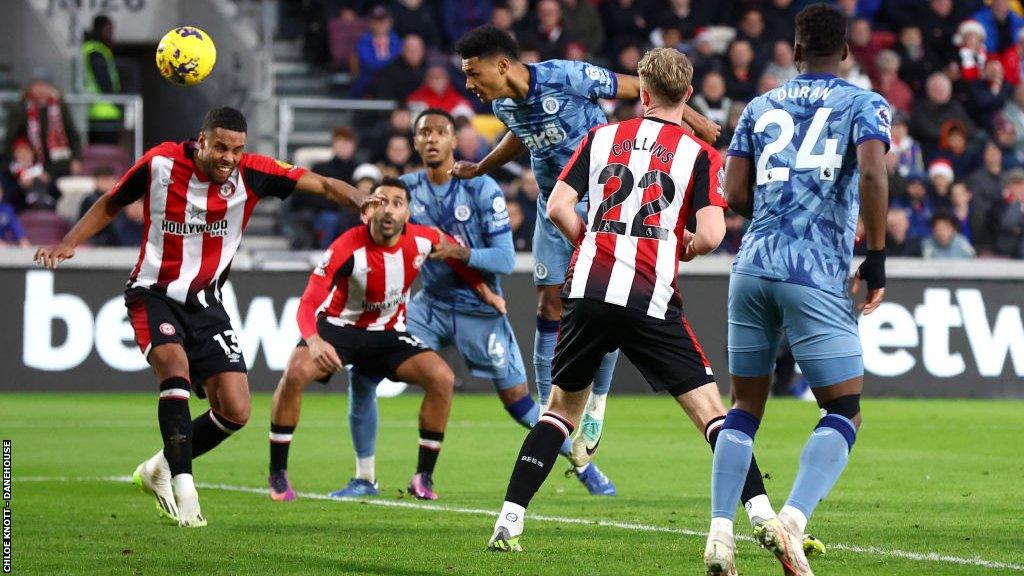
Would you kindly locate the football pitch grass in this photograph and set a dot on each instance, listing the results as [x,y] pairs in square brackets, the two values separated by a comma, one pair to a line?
[933,487]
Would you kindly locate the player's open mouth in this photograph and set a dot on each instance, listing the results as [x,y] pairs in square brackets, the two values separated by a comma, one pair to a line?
[225,170]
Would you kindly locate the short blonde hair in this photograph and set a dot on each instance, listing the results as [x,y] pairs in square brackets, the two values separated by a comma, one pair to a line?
[666,73]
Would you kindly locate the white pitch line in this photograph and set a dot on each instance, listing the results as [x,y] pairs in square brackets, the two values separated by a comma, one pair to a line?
[871,550]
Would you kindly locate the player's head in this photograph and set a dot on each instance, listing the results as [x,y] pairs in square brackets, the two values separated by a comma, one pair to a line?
[221,143]
[434,136]
[388,219]
[488,54]
[665,75]
[820,35]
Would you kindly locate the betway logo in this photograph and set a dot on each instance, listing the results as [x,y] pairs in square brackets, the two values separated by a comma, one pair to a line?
[890,333]
[218,228]
[112,335]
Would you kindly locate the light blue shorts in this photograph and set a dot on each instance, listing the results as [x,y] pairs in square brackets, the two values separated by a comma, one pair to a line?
[821,328]
[551,250]
[485,341]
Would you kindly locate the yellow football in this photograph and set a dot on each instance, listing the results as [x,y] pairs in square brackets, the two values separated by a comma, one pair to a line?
[186,55]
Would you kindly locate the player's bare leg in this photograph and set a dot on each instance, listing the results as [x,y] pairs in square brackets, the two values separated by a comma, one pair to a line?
[168,473]
[431,373]
[284,417]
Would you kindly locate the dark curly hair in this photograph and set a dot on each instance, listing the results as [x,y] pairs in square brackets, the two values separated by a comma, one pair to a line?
[821,30]
[392,182]
[485,41]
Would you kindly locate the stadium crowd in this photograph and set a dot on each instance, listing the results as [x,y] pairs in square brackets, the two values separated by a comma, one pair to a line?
[951,71]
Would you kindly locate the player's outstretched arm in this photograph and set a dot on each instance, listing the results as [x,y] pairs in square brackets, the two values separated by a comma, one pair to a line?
[507,149]
[97,218]
[562,211]
[738,185]
[337,190]
[874,205]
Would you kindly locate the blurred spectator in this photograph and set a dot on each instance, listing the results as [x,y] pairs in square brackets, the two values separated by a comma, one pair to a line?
[549,36]
[733,120]
[940,176]
[712,101]
[904,153]
[850,70]
[583,22]
[105,179]
[1001,26]
[914,65]
[130,224]
[703,56]
[929,114]
[938,23]
[625,24]
[523,18]
[398,157]
[628,60]
[918,205]
[469,145]
[344,142]
[101,78]
[863,46]
[376,139]
[779,21]
[987,95]
[366,176]
[954,148]
[1013,112]
[897,240]
[888,83]
[42,118]
[406,73]
[741,72]
[416,17]
[11,232]
[320,218]
[376,49]
[343,33]
[782,65]
[1009,238]
[751,29]
[971,54]
[460,16]
[1013,60]
[1005,136]
[501,18]
[35,188]
[437,92]
[767,82]
[517,221]
[679,15]
[986,184]
[945,242]
[960,198]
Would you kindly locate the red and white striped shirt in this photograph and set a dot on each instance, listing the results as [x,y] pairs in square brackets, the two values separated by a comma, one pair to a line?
[362,284]
[193,226]
[646,177]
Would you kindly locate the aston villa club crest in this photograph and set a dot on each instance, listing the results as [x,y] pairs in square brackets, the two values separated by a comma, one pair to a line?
[227,189]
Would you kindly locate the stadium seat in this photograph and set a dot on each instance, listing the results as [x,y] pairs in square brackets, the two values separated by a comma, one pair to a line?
[43,227]
[309,155]
[72,190]
[342,36]
[96,155]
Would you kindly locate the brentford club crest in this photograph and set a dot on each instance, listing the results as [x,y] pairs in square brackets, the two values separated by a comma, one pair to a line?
[227,189]
[167,329]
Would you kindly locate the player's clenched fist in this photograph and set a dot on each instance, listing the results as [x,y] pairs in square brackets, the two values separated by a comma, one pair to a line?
[464,169]
[52,256]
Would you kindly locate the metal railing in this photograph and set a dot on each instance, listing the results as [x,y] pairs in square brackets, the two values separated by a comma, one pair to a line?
[286,108]
[79,104]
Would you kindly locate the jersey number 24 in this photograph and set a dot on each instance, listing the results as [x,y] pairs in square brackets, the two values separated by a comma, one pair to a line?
[826,163]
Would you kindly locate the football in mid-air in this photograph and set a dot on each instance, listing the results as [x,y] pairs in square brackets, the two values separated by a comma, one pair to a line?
[186,55]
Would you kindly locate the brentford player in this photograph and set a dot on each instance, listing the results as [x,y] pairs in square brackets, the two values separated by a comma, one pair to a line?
[353,312]
[197,197]
[645,178]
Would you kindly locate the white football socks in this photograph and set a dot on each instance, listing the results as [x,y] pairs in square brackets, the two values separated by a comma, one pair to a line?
[366,468]
[511,517]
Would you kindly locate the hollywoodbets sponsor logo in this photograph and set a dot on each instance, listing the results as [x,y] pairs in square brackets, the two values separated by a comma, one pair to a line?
[218,228]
